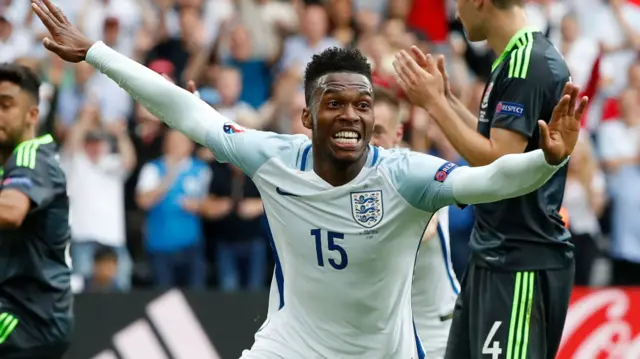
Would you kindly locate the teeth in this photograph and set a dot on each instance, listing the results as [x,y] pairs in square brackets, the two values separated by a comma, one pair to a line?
[346,141]
[346,134]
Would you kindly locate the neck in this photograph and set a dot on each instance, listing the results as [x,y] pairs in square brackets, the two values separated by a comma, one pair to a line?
[504,25]
[337,173]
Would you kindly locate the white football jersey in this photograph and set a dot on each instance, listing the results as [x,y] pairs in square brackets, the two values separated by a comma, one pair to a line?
[345,254]
[435,289]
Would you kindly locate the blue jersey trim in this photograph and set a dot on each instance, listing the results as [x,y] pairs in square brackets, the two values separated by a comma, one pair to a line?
[376,152]
[419,348]
[305,153]
[447,260]
[276,260]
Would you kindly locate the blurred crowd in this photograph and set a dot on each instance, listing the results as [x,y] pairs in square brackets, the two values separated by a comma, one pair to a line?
[151,208]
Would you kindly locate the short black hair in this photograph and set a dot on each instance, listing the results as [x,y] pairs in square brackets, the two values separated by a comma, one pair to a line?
[22,76]
[104,253]
[334,60]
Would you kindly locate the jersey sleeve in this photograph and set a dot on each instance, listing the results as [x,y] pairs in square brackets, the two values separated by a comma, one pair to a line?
[422,180]
[520,104]
[27,170]
[186,113]
[250,149]
[429,183]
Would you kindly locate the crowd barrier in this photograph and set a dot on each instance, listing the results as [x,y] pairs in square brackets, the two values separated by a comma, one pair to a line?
[601,324]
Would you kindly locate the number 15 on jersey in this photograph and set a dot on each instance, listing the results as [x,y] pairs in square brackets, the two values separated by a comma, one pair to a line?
[328,245]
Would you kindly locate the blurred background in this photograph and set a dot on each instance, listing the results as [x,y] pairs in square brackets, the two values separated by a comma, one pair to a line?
[152,211]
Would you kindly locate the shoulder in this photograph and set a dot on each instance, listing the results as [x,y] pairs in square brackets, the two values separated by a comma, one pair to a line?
[291,150]
[401,165]
[36,154]
[536,63]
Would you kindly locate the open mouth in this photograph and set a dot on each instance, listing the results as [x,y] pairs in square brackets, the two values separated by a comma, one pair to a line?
[347,139]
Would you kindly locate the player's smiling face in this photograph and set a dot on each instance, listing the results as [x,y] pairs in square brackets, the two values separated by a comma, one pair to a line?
[341,115]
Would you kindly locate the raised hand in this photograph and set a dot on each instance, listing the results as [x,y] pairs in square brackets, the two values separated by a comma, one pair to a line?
[66,40]
[445,76]
[422,60]
[422,84]
[559,137]
[191,87]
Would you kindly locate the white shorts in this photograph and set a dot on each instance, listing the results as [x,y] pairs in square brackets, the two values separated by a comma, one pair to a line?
[277,341]
[436,353]
[434,338]
[269,345]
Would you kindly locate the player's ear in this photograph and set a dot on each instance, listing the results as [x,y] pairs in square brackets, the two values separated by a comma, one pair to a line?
[33,115]
[307,118]
[399,133]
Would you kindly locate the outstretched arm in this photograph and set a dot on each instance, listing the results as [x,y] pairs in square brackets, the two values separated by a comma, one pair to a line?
[178,108]
[509,176]
[173,105]
[430,183]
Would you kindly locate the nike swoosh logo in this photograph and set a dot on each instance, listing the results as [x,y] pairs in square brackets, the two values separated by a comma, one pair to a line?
[285,193]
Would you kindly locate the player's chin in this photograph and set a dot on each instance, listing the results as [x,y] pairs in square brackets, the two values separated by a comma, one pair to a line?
[473,35]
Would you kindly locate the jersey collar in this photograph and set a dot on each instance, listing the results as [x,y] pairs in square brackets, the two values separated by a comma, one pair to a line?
[512,43]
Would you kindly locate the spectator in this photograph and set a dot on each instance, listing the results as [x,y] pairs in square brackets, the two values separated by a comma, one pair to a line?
[229,87]
[295,115]
[313,38]
[387,110]
[343,26]
[179,50]
[74,96]
[238,233]
[14,39]
[255,72]
[619,146]
[172,189]
[584,201]
[96,178]
[579,52]
[105,271]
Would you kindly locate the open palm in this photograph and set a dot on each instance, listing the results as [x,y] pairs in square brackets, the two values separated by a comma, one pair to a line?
[65,40]
[559,137]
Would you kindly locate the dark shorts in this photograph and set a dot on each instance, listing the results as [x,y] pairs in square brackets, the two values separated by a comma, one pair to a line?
[19,339]
[508,314]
